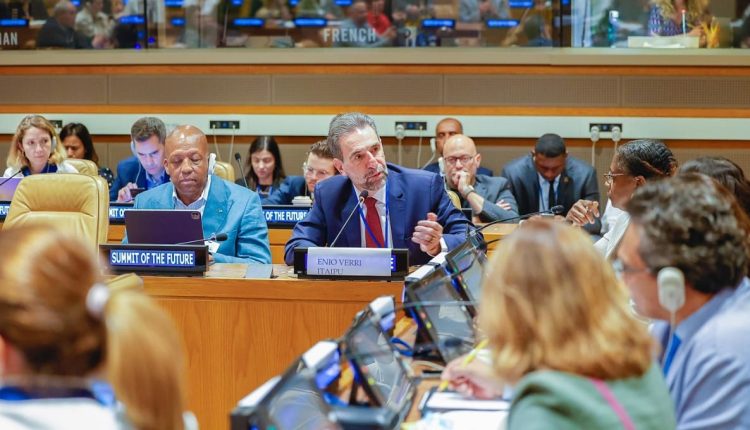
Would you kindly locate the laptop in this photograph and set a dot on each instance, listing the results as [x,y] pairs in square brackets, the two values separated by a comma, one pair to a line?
[8,188]
[163,227]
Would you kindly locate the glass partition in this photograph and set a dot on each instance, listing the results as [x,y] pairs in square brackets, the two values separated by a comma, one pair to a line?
[153,24]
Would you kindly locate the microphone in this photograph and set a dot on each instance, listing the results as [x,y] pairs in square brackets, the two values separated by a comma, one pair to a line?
[238,158]
[556,210]
[10,177]
[220,237]
[362,196]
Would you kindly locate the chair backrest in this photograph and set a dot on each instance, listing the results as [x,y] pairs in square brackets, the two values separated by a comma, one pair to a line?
[224,170]
[78,204]
[86,167]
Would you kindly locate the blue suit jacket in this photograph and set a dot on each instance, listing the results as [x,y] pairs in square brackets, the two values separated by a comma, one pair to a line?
[411,195]
[292,187]
[230,209]
[128,170]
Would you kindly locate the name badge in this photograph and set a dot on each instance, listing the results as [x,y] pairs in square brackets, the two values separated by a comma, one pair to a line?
[349,261]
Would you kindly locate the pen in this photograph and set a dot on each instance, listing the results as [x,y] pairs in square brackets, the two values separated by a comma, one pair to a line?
[468,359]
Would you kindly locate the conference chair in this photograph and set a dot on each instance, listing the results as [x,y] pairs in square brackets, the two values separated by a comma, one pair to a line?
[77,204]
[224,170]
[85,167]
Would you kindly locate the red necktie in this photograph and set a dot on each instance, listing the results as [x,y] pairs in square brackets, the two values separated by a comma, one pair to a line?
[373,221]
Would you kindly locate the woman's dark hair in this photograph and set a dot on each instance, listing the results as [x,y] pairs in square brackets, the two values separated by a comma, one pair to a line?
[725,172]
[647,158]
[79,130]
[264,143]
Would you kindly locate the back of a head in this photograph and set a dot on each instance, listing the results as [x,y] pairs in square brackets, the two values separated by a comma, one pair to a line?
[693,223]
[550,145]
[553,302]
[646,157]
[146,127]
[343,124]
[44,280]
[725,172]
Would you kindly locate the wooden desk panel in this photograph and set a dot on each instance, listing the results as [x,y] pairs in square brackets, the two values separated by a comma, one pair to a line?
[240,332]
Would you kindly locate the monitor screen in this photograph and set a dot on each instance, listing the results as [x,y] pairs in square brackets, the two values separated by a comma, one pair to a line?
[370,351]
[468,264]
[451,323]
[296,404]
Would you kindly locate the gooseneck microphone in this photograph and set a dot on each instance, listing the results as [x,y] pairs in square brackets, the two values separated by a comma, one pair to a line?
[10,177]
[238,158]
[220,237]
[362,196]
[556,210]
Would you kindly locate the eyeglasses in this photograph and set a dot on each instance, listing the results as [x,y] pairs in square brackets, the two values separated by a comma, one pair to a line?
[621,269]
[609,177]
[464,159]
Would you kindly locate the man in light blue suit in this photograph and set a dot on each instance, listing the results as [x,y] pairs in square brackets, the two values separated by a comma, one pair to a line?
[404,208]
[225,207]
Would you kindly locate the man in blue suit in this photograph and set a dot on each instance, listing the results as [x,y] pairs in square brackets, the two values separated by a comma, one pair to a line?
[226,207]
[145,169]
[404,208]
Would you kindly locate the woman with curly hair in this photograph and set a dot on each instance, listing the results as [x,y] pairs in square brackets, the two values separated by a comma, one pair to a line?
[666,17]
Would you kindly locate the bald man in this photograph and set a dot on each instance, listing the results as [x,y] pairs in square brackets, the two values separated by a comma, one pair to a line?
[225,207]
[446,128]
[490,199]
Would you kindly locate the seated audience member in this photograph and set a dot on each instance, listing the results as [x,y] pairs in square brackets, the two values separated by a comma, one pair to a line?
[78,144]
[489,198]
[35,149]
[666,17]
[145,169]
[634,164]
[405,208]
[319,166]
[693,224]
[727,173]
[549,177]
[446,128]
[376,17]
[226,207]
[482,10]
[95,24]
[561,334]
[61,330]
[356,32]
[265,172]
[59,29]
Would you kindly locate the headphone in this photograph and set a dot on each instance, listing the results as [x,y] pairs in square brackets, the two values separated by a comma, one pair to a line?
[670,284]
[53,144]
[132,148]
[211,163]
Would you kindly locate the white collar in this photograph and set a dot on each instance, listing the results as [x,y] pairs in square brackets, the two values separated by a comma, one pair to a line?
[204,194]
[378,195]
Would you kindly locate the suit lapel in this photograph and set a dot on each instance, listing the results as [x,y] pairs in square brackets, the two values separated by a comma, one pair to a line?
[565,190]
[533,179]
[396,211]
[217,207]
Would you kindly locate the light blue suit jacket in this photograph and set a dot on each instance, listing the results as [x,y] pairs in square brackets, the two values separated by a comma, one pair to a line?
[230,209]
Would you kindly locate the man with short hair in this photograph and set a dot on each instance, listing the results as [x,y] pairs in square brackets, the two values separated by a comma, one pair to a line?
[548,177]
[405,208]
[225,207]
[59,29]
[490,199]
[690,225]
[319,166]
[444,129]
[145,169]
[357,32]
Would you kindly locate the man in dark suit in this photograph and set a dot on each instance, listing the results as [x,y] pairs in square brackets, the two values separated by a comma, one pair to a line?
[446,128]
[405,208]
[549,177]
[59,30]
[489,198]
[145,169]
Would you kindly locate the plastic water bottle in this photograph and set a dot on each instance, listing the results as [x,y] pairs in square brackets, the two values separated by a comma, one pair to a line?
[614,27]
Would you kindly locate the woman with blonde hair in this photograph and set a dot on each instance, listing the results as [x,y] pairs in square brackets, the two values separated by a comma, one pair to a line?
[561,332]
[61,330]
[36,148]
[666,17]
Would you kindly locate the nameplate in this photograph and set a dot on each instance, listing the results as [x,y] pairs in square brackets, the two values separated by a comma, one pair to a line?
[502,23]
[117,212]
[169,259]
[4,208]
[349,261]
[284,216]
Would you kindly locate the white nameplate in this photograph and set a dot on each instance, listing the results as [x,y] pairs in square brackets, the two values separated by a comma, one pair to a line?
[323,261]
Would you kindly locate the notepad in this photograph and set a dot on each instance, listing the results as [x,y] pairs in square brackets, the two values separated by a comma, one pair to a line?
[442,401]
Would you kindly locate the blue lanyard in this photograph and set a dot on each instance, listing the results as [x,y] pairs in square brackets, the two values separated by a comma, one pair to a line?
[367,226]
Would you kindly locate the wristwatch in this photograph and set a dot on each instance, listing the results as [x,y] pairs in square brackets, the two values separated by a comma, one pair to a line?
[468,190]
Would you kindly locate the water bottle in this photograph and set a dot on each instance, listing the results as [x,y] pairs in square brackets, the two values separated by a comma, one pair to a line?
[614,27]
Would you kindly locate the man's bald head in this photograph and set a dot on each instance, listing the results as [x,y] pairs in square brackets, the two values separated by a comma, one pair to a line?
[186,162]
[461,157]
[446,128]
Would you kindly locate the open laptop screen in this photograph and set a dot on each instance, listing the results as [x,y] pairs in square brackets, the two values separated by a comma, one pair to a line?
[163,227]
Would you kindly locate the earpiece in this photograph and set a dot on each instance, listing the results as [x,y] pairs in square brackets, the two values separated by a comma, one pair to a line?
[211,163]
[132,148]
[433,145]
[671,286]
[53,144]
